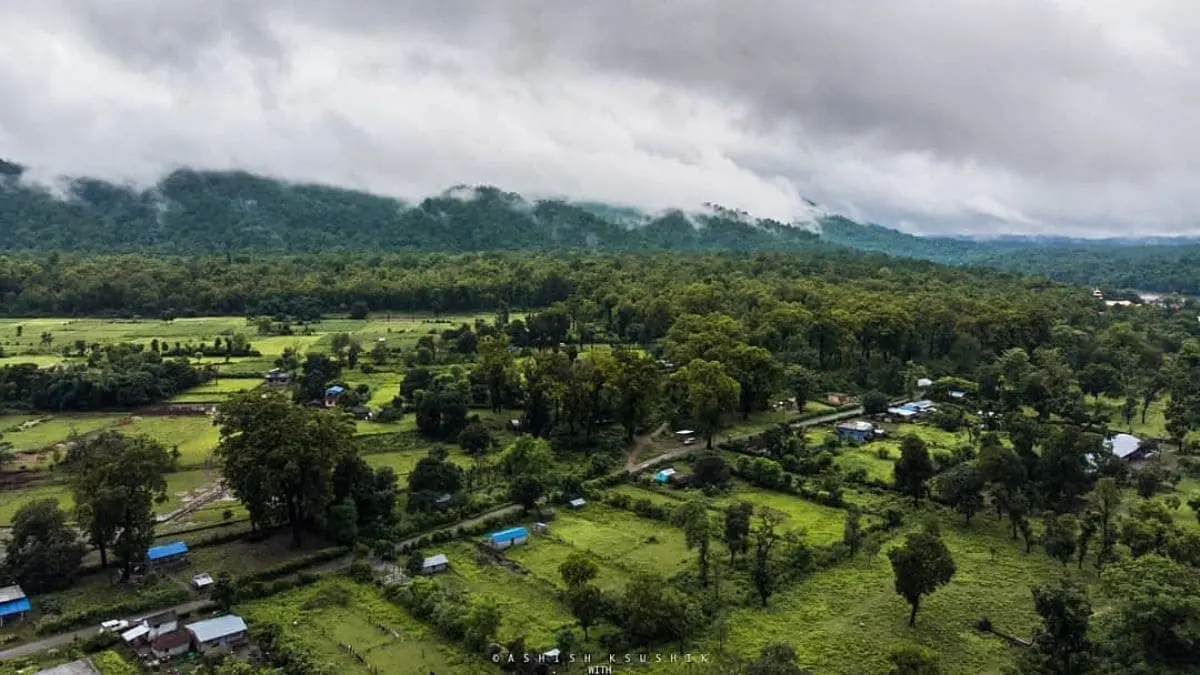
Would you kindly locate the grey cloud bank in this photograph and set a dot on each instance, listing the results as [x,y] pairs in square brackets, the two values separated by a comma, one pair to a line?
[964,116]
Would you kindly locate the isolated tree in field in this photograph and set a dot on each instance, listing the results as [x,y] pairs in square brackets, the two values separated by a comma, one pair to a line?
[921,566]
[710,393]
[775,659]
[1060,644]
[380,354]
[698,530]
[43,552]
[653,611]
[1061,537]
[852,534]
[636,382]
[577,570]
[116,482]
[476,440]
[962,488]
[481,623]
[1105,500]
[763,574]
[737,528]
[279,457]
[586,604]
[914,468]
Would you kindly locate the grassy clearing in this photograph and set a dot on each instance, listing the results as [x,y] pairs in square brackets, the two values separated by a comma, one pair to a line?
[241,557]
[542,556]
[40,360]
[180,485]
[623,540]
[12,500]
[216,390]
[56,428]
[528,603]
[821,524]
[321,626]
[404,462]
[193,435]
[847,619]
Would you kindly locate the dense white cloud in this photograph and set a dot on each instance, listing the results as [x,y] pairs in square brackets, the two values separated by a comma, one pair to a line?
[948,115]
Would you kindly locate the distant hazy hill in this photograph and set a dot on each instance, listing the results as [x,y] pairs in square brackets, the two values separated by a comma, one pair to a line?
[211,212]
[201,212]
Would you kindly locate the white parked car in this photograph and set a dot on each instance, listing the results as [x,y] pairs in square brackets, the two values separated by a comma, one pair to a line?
[114,625]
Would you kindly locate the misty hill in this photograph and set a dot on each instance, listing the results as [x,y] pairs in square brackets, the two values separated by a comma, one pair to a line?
[202,212]
[192,212]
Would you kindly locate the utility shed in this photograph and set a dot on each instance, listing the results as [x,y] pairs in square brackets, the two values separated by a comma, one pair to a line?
[435,564]
[223,631]
[1125,446]
[664,476]
[13,604]
[578,503]
[511,537]
[165,554]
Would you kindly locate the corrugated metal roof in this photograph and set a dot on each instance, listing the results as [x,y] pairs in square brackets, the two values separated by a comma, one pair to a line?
[10,593]
[578,502]
[166,550]
[215,629]
[14,607]
[135,632]
[435,560]
[336,389]
[511,533]
[1124,445]
[857,425]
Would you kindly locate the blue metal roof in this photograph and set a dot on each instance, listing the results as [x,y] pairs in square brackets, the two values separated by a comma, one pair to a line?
[166,550]
[14,607]
[511,533]
[336,389]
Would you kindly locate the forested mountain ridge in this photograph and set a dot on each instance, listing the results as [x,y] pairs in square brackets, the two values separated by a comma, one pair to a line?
[217,213]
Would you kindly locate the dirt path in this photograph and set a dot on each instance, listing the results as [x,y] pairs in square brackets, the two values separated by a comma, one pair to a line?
[640,442]
[685,449]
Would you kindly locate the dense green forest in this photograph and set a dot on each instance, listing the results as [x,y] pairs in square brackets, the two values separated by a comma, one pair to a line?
[213,213]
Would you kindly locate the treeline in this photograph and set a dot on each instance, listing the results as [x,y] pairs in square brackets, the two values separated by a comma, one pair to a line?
[121,376]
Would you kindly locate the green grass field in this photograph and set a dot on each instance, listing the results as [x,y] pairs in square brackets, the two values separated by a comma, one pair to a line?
[216,390]
[55,428]
[542,556]
[417,651]
[180,485]
[528,603]
[623,540]
[193,435]
[821,524]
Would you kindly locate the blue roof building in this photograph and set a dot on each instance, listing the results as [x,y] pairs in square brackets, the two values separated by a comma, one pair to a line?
[510,537]
[664,476]
[173,550]
[13,604]
[334,390]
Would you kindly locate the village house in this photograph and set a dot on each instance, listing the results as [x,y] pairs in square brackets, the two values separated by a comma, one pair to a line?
[161,624]
[277,378]
[513,536]
[13,604]
[837,399]
[171,644]
[166,555]
[223,632]
[857,431]
[202,582]
[362,412]
[577,503]
[435,564]
[333,395]
[1127,447]
[136,635]
[664,476]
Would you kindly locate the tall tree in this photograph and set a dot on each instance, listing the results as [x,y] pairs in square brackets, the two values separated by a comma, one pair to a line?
[737,528]
[636,382]
[1060,644]
[1105,501]
[922,565]
[116,481]
[698,530]
[1061,537]
[577,570]
[802,384]
[43,552]
[914,469]
[763,574]
[279,457]
[757,374]
[710,393]
[962,488]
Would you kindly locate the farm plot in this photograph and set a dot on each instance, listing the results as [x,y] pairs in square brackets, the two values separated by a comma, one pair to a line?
[528,603]
[542,556]
[56,428]
[846,619]
[193,435]
[822,524]
[338,611]
[404,462]
[216,390]
[624,540]
[870,458]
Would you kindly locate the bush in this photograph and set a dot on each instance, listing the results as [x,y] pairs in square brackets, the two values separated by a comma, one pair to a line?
[883,453]
[145,601]
[99,642]
[893,518]
[360,572]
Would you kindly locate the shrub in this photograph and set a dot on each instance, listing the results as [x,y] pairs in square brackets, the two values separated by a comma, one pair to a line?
[883,453]
[893,518]
[360,572]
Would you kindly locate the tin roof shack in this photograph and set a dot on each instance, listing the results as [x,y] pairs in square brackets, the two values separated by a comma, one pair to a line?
[435,564]
[223,632]
[857,431]
[14,606]
[514,536]
[174,553]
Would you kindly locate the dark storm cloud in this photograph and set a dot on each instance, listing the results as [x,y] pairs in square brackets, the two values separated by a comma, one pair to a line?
[946,114]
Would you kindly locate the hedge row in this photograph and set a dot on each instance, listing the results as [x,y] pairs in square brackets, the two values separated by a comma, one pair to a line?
[144,602]
[292,566]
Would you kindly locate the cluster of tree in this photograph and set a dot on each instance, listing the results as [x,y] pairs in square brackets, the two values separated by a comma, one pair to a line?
[122,376]
[298,465]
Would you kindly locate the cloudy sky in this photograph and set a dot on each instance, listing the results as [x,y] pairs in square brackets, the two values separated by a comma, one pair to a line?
[981,116]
